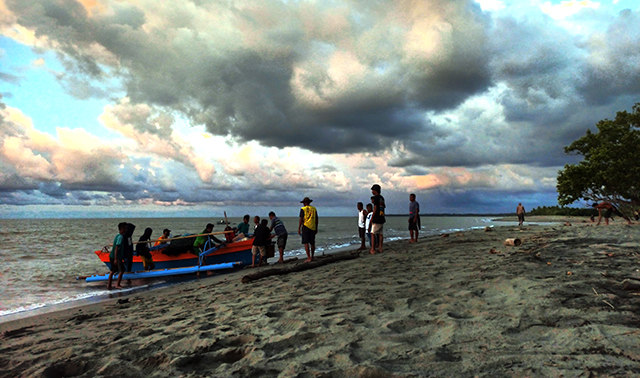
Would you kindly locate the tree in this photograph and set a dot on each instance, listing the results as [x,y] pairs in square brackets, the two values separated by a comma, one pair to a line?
[610,169]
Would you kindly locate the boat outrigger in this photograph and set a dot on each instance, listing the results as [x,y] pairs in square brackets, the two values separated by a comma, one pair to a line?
[175,257]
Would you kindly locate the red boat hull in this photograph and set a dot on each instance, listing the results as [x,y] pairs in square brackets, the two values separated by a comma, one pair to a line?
[239,251]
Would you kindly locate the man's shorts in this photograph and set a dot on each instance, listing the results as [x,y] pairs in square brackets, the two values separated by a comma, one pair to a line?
[117,265]
[413,226]
[259,248]
[282,241]
[376,228]
[361,232]
[308,235]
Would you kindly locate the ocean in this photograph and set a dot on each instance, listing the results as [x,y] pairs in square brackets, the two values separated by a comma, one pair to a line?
[41,258]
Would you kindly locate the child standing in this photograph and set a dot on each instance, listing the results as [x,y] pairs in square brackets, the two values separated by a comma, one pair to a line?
[367,224]
[362,216]
[116,255]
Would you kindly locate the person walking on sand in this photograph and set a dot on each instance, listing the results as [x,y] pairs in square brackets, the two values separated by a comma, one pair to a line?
[520,213]
[281,233]
[362,217]
[414,218]
[378,219]
[609,209]
[116,255]
[308,227]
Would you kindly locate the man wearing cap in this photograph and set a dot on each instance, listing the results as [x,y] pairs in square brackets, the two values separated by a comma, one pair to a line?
[377,220]
[308,227]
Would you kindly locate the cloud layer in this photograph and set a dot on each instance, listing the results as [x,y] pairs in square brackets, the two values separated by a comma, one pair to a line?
[443,96]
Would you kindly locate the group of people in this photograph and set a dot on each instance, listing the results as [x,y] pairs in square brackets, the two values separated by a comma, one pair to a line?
[604,210]
[371,220]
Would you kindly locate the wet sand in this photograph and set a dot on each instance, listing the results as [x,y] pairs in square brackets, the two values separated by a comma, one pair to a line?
[455,305]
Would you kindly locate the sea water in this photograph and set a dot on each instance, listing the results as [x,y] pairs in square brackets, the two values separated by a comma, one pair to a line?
[41,258]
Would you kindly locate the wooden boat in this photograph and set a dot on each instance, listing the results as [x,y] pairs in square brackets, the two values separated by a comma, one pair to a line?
[165,258]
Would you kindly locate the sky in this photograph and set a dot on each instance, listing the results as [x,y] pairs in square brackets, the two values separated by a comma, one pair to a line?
[113,108]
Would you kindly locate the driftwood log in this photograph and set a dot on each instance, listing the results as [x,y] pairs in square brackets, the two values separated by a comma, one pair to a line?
[297,268]
[513,242]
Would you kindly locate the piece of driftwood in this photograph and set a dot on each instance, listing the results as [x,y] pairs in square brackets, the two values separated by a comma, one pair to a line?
[513,241]
[298,267]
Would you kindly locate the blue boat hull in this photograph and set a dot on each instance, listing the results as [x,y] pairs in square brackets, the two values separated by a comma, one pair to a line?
[166,272]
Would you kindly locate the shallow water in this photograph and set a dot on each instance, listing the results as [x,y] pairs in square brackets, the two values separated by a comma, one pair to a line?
[41,258]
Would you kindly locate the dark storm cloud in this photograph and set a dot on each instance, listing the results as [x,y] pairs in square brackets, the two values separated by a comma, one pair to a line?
[613,65]
[550,87]
[220,77]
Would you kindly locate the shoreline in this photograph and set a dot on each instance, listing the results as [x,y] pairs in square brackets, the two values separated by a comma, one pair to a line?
[459,304]
[37,309]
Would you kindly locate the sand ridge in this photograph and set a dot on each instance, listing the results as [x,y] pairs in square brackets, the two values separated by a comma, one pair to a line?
[444,306]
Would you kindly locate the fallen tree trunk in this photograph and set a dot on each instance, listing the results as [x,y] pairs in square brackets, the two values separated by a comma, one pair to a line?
[297,268]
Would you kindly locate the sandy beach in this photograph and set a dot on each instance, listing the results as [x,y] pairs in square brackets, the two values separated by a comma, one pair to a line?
[560,304]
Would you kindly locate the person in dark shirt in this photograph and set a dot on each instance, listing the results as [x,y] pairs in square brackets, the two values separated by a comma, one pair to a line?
[142,249]
[378,219]
[261,236]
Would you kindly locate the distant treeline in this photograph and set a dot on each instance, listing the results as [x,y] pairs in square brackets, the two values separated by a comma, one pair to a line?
[561,210]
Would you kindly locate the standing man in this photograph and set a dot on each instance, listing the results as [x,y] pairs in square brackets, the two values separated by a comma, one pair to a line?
[308,227]
[377,220]
[362,217]
[414,218]
[281,233]
[520,213]
[116,255]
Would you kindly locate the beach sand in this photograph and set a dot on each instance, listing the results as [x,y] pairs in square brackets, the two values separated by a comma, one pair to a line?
[456,305]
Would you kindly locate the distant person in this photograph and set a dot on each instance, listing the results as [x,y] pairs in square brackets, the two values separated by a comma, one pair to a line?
[142,249]
[362,218]
[308,227]
[378,219]
[116,255]
[520,213]
[260,240]
[281,232]
[200,242]
[606,209]
[367,224]
[414,218]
